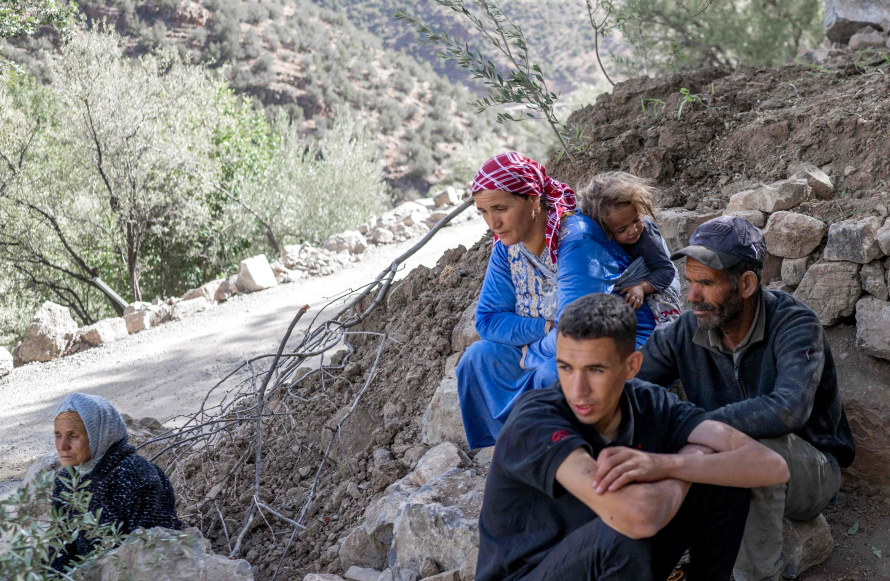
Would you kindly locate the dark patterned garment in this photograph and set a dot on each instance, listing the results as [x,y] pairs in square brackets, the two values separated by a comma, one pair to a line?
[130,490]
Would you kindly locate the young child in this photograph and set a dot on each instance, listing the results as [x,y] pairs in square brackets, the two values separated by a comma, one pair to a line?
[622,205]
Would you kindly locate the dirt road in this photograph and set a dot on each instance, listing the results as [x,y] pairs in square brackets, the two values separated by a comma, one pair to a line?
[166,371]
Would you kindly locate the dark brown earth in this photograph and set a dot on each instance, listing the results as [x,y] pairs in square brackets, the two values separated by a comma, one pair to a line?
[751,125]
[418,317]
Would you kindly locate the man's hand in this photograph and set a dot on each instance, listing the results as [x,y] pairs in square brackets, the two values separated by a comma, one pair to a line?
[618,466]
[634,295]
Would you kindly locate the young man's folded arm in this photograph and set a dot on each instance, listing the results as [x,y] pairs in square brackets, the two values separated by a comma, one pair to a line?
[637,511]
[738,461]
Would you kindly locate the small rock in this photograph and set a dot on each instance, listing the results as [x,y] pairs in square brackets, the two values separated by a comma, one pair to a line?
[224,291]
[322,577]
[755,217]
[882,211]
[361,574]
[105,331]
[283,274]
[428,568]
[447,197]
[453,575]
[437,461]
[831,290]
[854,240]
[382,236]
[468,565]
[806,544]
[385,575]
[382,456]
[405,574]
[818,180]
[794,269]
[873,327]
[873,279]
[870,40]
[5,362]
[849,170]
[782,195]
[483,457]
[792,235]
[255,274]
[350,240]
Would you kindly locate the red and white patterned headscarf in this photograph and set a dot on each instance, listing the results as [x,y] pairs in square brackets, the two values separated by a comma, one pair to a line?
[511,172]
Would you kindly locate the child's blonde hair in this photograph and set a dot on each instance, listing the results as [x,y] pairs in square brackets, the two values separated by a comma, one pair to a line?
[614,190]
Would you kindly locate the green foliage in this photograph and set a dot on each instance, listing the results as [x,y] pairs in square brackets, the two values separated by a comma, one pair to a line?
[35,534]
[115,170]
[668,35]
[21,17]
[315,188]
[521,82]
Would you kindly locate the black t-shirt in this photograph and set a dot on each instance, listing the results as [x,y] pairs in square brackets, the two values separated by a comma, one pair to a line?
[525,511]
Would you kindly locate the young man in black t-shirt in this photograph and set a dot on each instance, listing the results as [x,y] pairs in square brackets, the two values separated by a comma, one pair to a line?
[592,478]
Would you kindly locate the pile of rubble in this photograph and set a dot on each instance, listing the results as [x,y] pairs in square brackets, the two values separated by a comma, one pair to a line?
[53,332]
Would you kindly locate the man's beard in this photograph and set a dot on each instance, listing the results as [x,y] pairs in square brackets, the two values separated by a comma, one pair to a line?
[718,315]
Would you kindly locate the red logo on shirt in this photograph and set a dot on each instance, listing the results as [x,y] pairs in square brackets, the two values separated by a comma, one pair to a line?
[560,435]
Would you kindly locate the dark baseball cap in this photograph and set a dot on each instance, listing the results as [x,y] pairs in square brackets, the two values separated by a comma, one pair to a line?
[724,242]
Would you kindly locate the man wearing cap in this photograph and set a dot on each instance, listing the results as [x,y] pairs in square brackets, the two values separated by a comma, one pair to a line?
[759,361]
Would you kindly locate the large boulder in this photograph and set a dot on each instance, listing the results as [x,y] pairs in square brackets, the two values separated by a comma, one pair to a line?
[437,461]
[873,327]
[442,421]
[351,240]
[105,331]
[678,225]
[806,544]
[794,269]
[207,291]
[464,333]
[854,240]
[5,362]
[884,238]
[844,18]
[138,321]
[440,521]
[873,279]
[792,235]
[48,336]
[184,309]
[165,555]
[831,289]
[255,274]
[822,186]
[775,197]
[755,217]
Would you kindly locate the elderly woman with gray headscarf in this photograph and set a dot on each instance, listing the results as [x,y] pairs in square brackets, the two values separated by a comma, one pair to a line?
[91,437]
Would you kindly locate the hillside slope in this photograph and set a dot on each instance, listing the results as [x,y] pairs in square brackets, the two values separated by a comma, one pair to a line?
[307,62]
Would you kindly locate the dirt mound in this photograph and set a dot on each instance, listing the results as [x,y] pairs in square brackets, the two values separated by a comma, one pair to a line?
[743,127]
[377,444]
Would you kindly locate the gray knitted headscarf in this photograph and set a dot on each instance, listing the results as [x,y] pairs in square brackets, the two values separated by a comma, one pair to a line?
[104,425]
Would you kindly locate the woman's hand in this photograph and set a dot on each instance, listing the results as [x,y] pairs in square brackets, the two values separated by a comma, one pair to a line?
[634,295]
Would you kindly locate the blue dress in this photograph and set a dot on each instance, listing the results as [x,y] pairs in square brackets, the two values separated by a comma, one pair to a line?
[512,313]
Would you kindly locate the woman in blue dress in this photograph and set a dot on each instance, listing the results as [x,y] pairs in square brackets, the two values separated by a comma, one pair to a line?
[544,257]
